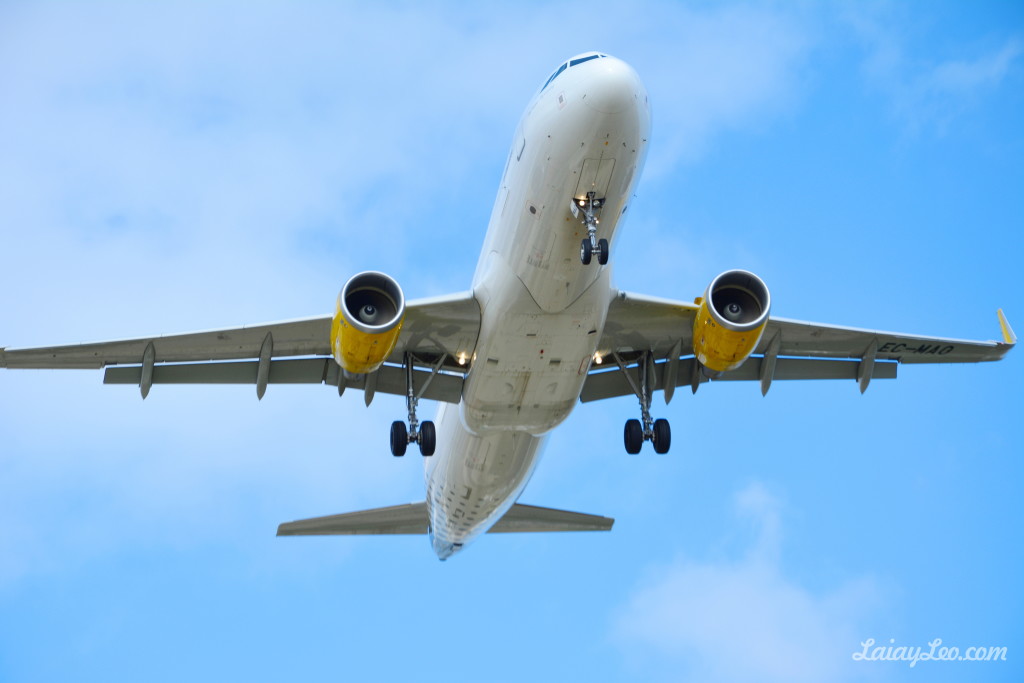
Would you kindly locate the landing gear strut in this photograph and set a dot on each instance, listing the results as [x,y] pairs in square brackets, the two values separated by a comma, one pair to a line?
[658,432]
[423,433]
[585,210]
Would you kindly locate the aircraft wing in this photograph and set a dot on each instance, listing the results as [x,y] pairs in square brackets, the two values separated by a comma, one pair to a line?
[291,351]
[306,337]
[660,332]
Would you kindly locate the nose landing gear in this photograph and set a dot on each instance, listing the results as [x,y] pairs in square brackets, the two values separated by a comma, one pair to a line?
[586,210]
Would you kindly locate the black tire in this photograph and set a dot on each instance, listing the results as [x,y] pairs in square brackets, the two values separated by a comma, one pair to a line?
[662,436]
[602,252]
[428,438]
[586,253]
[399,438]
[633,436]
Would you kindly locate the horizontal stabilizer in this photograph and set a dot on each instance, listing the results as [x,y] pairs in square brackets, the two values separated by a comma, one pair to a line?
[532,518]
[397,519]
[412,519]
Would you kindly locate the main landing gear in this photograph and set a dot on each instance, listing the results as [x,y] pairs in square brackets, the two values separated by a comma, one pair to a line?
[585,210]
[423,433]
[658,432]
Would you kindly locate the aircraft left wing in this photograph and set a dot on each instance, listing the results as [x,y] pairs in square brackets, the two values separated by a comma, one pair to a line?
[291,351]
[659,333]
[305,337]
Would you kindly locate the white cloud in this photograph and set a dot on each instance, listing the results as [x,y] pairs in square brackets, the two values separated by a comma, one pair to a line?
[964,76]
[170,169]
[732,68]
[735,620]
[927,91]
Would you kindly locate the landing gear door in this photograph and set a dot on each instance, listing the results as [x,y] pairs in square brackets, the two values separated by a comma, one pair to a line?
[595,177]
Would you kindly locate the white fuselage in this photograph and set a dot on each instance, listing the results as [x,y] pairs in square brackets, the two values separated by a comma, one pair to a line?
[542,310]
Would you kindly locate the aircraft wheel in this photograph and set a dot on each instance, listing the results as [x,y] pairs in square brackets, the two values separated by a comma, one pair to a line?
[602,251]
[399,438]
[662,436]
[586,253]
[633,436]
[428,438]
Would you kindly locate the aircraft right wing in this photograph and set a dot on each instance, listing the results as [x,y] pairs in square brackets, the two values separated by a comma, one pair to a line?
[658,333]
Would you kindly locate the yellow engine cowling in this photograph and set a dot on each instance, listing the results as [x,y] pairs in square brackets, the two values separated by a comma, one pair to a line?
[730,321]
[367,321]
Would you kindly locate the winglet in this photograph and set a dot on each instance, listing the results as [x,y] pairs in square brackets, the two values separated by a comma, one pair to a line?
[1008,336]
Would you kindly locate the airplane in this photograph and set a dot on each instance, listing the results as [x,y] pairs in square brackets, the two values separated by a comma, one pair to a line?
[541,329]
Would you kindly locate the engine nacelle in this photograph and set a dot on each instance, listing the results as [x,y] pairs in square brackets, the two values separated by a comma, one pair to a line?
[732,316]
[367,321]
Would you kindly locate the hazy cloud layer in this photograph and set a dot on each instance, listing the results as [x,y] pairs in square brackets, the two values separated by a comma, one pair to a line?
[197,165]
[743,618]
[928,95]
[735,67]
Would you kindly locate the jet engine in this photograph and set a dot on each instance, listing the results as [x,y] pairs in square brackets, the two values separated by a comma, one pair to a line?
[367,321]
[730,321]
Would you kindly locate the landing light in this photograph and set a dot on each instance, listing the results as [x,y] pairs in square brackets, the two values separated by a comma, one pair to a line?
[462,359]
[597,358]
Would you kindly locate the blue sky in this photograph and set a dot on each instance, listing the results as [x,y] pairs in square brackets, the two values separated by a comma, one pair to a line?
[192,166]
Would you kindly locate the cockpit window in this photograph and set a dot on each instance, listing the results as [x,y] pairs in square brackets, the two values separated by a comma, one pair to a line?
[572,62]
[555,75]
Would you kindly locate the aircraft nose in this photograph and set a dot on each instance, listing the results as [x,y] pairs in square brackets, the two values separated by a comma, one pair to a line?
[613,88]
